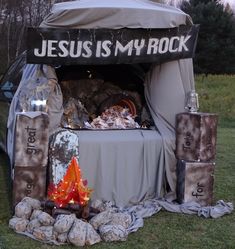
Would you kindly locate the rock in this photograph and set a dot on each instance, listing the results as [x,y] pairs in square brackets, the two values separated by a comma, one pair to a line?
[120,219]
[35,204]
[64,222]
[35,214]
[101,219]
[113,233]
[32,225]
[45,219]
[92,237]
[18,224]
[99,205]
[44,233]
[103,205]
[23,210]
[77,234]
[62,238]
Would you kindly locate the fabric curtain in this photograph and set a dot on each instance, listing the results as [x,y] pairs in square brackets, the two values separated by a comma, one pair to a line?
[166,88]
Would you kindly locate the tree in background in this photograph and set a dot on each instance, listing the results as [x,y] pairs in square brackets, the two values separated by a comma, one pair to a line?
[15,17]
[215,51]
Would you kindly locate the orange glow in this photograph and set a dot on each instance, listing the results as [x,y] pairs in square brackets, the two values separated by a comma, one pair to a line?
[72,188]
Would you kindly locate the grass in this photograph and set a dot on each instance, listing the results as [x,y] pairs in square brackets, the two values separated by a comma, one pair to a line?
[165,230]
[217,94]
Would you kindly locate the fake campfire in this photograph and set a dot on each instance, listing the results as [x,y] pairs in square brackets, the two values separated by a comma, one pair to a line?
[67,216]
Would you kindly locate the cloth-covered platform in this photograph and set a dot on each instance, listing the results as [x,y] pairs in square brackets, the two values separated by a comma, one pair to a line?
[122,166]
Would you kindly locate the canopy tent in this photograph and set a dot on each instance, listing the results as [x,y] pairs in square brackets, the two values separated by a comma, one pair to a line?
[166,85]
[114,14]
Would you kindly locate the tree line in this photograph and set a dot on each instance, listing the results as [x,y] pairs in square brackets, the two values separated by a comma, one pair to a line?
[215,51]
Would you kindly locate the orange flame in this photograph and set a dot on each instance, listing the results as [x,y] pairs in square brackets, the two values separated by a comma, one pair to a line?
[72,188]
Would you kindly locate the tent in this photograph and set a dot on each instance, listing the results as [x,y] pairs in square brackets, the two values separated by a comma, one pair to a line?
[140,164]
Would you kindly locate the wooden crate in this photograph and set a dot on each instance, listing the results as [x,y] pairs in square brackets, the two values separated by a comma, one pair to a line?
[195,182]
[196,136]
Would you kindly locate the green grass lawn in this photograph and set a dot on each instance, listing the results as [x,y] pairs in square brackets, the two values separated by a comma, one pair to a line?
[166,230]
[217,94]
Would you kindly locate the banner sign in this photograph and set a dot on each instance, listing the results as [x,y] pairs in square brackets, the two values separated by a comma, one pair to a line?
[109,46]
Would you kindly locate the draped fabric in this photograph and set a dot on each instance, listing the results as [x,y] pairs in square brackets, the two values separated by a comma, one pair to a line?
[166,88]
[166,85]
[114,14]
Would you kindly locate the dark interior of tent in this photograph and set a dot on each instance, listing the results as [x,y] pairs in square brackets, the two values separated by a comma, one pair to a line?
[99,87]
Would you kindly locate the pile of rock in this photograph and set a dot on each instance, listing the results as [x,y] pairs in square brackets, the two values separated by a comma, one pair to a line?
[115,117]
[108,225]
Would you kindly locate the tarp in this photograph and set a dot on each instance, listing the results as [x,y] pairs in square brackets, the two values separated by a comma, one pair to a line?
[166,85]
[115,14]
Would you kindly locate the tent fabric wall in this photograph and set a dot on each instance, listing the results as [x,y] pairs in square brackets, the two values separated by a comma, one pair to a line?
[166,85]
[30,76]
[114,14]
[166,88]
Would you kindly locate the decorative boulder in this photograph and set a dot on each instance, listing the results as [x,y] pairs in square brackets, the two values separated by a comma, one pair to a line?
[77,234]
[23,210]
[35,214]
[103,205]
[121,219]
[113,233]
[45,219]
[18,224]
[92,237]
[64,222]
[101,219]
[44,233]
[32,225]
[62,238]
[35,204]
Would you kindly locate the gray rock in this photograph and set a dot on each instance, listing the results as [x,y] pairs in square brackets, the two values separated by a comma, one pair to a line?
[101,219]
[18,224]
[103,205]
[98,204]
[32,225]
[92,237]
[62,238]
[35,204]
[77,234]
[64,222]
[35,214]
[44,233]
[45,219]
[113,233]
[120,219]
[23,210]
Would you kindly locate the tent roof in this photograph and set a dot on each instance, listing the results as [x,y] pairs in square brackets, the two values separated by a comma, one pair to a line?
[114,14]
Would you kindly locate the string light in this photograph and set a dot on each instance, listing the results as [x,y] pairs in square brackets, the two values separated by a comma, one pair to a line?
[72,188]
